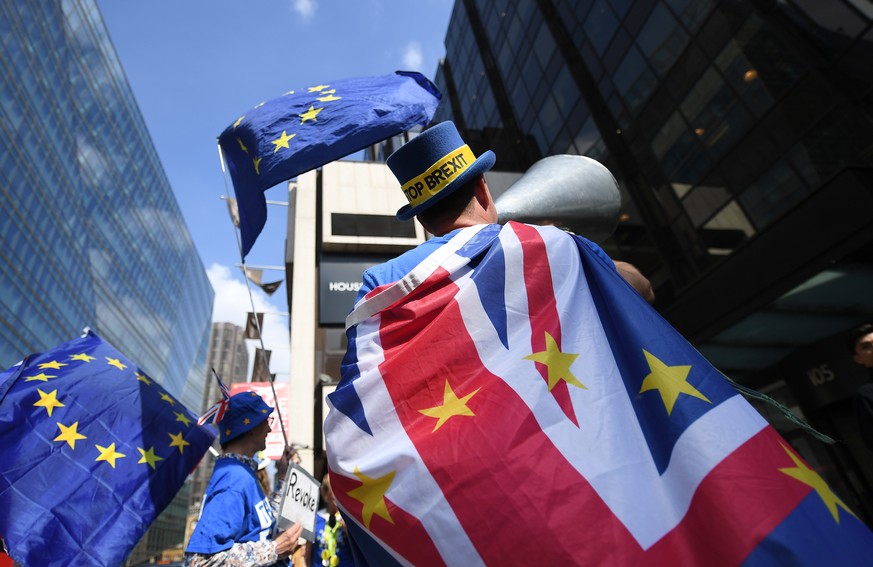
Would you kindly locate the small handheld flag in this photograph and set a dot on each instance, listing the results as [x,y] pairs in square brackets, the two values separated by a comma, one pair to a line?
[307,128]
[216,412]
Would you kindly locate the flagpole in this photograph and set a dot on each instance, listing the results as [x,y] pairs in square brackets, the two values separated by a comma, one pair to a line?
[258,267]
[252,300]
[268,201]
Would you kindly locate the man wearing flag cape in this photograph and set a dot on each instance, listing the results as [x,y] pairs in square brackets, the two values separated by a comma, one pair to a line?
[507,397]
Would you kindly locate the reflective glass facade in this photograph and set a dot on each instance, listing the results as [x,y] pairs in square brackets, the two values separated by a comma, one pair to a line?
[90,232]
[717,117]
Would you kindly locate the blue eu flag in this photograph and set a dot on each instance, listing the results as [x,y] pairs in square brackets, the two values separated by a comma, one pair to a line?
[304,129]
[91,451]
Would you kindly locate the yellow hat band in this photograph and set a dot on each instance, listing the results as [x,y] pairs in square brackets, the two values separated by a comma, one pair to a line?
[438,176]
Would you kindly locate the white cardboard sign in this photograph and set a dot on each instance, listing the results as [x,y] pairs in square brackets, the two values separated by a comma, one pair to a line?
[299,501]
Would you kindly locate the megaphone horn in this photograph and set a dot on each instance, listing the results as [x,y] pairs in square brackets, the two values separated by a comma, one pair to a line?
[574,192]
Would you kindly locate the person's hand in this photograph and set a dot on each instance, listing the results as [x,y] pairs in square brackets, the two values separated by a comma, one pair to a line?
[286,542]
[282,464]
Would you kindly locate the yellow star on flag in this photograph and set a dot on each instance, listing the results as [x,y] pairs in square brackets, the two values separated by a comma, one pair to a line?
[69,434]
[257,162]
[310,114]
[167,398]
[183,418]
[247,421]
[148,457]
[82,357]
[48,401]
[282,141]
[178,441]
[809,477]
[242,146]
[109,454]
[670,381]
[452,406]
[238,120]
[42,377]
[142,378]
[557,362]
[54,365]
[115,362]
[328,96]
[318,88]
[372,495]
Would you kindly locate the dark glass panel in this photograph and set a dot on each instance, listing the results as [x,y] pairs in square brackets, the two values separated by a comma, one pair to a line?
[691,12]
[634,80]
[773,194]
[703,201]
[661,39]
[544,46]
[600,25]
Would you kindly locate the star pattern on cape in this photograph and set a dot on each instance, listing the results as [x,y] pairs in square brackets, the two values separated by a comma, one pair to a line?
[669,381]
[49,401]
[371,494]
[54,365]
[451,406]
[183,418]
[142,378]
[167,398]
[82,357]
[557,362]
[69,434]
[807,476]
[116,363]
[109,454]
[148,457]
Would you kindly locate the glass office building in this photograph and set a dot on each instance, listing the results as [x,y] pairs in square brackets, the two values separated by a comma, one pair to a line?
[91,234]
[741,133]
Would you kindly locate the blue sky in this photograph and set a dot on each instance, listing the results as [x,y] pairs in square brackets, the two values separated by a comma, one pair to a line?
[196,65]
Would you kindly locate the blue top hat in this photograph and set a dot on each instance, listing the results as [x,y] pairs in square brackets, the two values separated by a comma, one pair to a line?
[433,165]
[247,410]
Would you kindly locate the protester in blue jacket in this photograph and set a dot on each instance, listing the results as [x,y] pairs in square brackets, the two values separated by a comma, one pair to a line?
[236,521]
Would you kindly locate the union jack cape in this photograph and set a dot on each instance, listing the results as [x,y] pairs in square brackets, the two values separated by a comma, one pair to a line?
[512,400]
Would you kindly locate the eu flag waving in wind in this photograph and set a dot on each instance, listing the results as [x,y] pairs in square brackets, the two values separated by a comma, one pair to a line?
[513,400]
[91,451]
[304,129]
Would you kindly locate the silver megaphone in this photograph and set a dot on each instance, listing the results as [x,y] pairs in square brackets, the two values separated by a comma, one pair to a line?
[573,192]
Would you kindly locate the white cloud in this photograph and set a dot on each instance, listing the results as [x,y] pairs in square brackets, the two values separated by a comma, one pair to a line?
[305,8]
[412,57]
[232,304]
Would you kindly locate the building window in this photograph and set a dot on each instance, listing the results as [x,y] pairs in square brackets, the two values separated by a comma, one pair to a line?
[370,225]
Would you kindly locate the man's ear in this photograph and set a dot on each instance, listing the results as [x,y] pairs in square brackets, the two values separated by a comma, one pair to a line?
[481,192]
